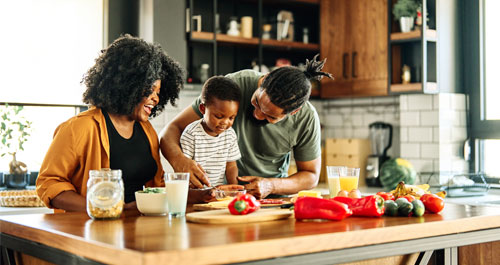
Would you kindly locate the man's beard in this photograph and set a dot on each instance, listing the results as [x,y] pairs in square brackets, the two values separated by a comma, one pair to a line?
[255,121]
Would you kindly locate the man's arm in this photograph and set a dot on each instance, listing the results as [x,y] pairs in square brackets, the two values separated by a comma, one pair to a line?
[307,177]
[171,149]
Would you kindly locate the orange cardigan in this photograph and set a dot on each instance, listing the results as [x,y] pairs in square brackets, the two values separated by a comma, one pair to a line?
[79,145]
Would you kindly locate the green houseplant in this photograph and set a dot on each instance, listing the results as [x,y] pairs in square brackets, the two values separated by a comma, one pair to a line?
[15,130]
[405,12]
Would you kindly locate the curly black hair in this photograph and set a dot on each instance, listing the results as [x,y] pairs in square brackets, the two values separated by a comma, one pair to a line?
[221,88]
[289,87]
[125,72]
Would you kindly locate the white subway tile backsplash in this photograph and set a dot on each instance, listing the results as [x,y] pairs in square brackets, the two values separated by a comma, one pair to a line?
[410,150]
[334,120]
[429,118]
[422,165]
[420,102]
[435,102]
[403,102]
[458,101]
[420,134]
[360,133]
[370,118]
[410,118]
[444,101]
[435,135]
[362,101]
[460,165]
[404,134]
[462,118]
[458,134]
[357,119]
[429,150]
[445,135]
[385,100]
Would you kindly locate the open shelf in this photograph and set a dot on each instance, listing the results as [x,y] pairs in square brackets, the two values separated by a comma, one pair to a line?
[224,38]
[413,87]
[414,35]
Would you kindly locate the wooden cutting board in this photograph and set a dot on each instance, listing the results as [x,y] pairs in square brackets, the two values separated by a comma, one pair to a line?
[224,217]
[216,206]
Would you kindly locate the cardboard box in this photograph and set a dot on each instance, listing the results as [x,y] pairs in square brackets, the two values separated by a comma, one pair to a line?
[347,152]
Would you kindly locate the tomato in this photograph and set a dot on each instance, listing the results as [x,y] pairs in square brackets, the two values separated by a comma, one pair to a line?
[386,195]
[410,198]
[432,203]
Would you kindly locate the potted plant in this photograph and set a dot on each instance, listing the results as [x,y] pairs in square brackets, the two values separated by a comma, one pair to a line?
[405,12]
[14,132]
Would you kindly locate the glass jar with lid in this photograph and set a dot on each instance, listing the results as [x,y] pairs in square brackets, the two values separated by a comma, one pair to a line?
[105,194]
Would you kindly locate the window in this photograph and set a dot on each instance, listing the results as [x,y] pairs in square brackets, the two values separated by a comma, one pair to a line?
[481,57]
[46,48]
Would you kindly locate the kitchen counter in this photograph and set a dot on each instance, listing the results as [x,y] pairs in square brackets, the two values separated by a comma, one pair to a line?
[136,239]
[24,210]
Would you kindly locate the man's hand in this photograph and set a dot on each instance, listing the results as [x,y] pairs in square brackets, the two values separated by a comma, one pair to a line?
[258,186]
[197,176]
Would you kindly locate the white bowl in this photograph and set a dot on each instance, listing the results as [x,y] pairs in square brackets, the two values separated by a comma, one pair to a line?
[152,203]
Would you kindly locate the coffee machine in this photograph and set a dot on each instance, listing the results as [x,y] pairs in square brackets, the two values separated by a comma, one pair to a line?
[381,141]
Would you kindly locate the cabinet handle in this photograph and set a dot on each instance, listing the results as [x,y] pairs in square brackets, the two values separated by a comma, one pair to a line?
[354,54]
[344,65]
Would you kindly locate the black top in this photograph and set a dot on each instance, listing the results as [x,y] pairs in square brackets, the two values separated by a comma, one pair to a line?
[133,156]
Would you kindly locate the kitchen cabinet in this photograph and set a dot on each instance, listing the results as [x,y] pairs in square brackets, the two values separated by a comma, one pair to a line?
[354,41]
[431,51]
[209,44]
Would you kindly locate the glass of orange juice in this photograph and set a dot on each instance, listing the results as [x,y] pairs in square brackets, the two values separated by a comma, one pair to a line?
[334,173]
[349,180]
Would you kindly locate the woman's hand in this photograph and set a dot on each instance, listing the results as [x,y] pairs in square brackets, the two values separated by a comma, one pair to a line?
[258,186]
[197,176]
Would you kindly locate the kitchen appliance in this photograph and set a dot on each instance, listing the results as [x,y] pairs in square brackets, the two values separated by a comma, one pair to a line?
[381,141]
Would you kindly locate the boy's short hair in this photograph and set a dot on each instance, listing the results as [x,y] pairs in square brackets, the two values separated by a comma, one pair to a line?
[221,88]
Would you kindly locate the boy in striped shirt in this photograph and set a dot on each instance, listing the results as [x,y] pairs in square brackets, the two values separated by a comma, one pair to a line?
[211,141]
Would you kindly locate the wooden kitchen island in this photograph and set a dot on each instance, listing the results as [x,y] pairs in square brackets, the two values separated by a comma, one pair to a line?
[135,239]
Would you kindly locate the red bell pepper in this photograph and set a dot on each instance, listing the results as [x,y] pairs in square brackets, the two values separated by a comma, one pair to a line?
[243,204]
[386,195]
[318,208]
[368,206]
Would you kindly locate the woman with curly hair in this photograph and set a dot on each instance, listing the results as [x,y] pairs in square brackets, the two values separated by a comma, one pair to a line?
[131,81]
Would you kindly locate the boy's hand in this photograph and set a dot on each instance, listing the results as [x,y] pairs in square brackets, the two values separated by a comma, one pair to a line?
[197,176]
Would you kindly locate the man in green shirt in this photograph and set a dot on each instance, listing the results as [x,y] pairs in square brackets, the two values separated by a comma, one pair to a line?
[274,119]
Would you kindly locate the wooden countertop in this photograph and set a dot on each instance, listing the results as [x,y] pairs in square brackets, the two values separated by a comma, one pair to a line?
[136,239]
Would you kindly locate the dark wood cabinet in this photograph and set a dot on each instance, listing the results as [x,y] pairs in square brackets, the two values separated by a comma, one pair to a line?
[354,41]
[431,51]
[223,53]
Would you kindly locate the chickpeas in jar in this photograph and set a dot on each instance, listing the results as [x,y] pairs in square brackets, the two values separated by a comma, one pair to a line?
[105,194]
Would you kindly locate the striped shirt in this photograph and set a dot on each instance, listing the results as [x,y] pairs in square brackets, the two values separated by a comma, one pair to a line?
[211,152]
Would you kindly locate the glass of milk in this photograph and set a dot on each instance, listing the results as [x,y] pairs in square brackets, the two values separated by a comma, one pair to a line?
[333,173]
[176,187]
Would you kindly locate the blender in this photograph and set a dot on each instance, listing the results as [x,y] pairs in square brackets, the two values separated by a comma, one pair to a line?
[381,141]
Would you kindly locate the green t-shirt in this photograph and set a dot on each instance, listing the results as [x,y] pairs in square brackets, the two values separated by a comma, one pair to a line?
[265,150]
